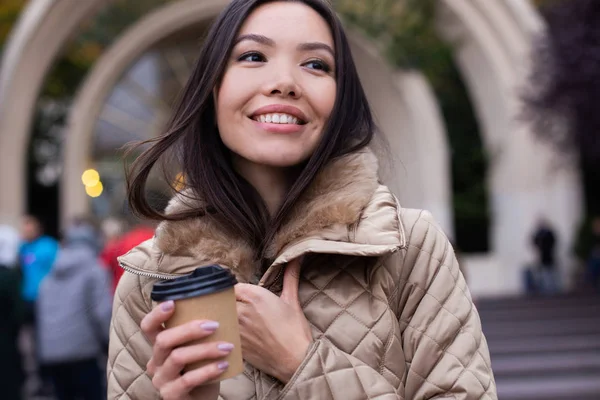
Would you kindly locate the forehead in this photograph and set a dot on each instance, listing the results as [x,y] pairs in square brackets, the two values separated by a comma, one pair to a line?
[288,21]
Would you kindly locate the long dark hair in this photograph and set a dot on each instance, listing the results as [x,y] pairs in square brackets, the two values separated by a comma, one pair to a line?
[192,136]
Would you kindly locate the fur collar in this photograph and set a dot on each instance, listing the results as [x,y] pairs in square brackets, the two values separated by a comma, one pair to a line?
[338,196]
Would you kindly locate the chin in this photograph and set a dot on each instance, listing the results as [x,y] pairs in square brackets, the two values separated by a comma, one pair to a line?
[278,158]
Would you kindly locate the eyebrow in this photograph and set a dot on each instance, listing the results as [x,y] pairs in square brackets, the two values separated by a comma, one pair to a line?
[255,38]
[316,46]
[271,43]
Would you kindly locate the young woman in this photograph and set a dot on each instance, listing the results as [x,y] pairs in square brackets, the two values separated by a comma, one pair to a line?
[344,294]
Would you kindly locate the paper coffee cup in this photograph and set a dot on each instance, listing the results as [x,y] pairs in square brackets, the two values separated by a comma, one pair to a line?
[206,294]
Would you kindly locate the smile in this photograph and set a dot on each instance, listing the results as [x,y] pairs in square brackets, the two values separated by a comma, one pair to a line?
[280,115]
[278,118]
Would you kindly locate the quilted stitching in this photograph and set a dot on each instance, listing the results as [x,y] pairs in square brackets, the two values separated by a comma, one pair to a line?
[426,303]
[458,298]
[408,334]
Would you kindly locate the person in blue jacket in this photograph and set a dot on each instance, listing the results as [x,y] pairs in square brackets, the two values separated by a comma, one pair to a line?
[37,254]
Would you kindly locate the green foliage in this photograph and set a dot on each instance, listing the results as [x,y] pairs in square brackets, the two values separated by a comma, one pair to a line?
[405,31]
[9,13]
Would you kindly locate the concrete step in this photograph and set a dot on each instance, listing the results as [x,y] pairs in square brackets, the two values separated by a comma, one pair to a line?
[546,364]
[517,303]
[582,387]
[544,348]
[552,344]
[541,314]
[532,328]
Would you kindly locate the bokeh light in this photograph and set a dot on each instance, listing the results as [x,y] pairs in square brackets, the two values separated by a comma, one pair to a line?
[96,190]
[90,178]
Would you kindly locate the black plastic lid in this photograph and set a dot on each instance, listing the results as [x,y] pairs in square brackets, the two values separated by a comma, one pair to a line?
[203,281]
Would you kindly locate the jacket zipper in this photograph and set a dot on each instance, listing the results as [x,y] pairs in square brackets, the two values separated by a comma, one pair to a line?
[276,279]
[147,274]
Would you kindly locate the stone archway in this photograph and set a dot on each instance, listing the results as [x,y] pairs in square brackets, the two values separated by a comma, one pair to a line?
[493,42]
[43,29]
[494,38]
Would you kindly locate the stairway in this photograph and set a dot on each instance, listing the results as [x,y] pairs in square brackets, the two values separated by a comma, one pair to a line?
[544,348]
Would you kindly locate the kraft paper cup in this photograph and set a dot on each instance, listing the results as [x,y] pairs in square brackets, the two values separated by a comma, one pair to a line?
[206,294]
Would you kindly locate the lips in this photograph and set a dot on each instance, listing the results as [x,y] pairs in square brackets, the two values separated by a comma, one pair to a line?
[280,109]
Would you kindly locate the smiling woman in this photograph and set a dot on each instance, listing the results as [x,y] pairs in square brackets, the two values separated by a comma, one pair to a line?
[343,293]
[274,73]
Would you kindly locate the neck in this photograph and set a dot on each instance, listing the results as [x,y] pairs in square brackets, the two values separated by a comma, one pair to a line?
[271,183]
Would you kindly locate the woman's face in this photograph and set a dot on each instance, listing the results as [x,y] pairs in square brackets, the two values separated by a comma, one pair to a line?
[279,87]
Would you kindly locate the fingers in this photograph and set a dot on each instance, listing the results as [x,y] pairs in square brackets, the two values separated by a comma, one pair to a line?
[291,281]
[152,324]
[182,356]
[169,339]
[182,386]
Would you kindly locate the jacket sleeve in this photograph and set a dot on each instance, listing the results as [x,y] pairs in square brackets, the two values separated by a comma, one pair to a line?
[445,349]
[446,354]
[129,350]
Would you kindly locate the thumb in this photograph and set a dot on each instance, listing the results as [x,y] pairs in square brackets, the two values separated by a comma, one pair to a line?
[291,281]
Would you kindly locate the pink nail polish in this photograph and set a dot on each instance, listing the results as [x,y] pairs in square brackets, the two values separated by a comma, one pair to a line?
[210,326]
[225,347]
[223,365]
[167,306]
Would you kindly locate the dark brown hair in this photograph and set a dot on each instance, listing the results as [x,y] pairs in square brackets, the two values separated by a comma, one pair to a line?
[193,138]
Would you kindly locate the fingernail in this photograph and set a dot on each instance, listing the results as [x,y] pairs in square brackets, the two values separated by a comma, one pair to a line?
[223,365]
[210,326]
[167,306]
[225,347]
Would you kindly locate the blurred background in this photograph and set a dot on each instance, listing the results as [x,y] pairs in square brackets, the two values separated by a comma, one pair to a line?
[489,108]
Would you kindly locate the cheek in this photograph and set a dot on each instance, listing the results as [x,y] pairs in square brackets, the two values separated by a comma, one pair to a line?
[325,100]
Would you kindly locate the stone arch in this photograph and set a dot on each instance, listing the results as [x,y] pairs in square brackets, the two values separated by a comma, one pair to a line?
[492,43]
[142,35]
[493,39]
[36,41]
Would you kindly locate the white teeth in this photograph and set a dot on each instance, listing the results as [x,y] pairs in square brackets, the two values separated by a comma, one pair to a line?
[278,119]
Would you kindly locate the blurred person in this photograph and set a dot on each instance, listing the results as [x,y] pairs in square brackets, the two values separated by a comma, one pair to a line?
[37,254]
[343,293]
[12,375]
[74,309]
[544,241]
[593,261]
[112,229]
[121,245]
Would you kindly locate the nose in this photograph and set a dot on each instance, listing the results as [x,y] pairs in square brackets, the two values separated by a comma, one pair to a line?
[285,85]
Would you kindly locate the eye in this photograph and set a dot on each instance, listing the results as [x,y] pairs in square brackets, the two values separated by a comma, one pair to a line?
[252,57]
[318,65]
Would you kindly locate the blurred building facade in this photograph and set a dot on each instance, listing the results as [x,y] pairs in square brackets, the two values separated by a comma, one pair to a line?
[128,94]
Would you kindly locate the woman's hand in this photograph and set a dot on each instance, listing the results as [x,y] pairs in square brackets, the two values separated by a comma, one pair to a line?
[275,333]
[170,355]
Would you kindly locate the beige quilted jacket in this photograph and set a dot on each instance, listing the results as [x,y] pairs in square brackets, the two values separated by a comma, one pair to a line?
[390,312]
